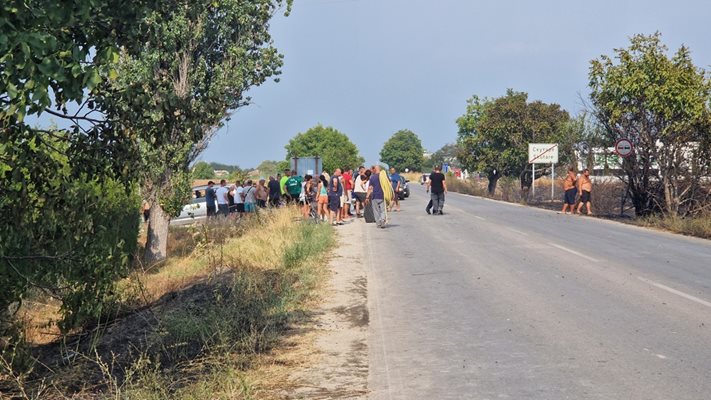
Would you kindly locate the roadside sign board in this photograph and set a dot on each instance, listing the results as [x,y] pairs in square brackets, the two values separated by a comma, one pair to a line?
[624,147]
[543,153]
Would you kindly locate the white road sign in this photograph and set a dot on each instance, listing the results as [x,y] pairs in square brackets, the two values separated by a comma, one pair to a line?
[543,153]
[624,147]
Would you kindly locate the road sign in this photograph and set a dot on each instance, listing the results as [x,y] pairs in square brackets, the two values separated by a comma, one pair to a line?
[543,153]
[624,147]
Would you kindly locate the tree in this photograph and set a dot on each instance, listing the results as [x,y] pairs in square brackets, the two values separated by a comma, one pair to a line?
[494,135]
[403,150]
[268,168]
[334,148]
[202,170]
[661,104]
[68,212]
[195,62]
[445,155]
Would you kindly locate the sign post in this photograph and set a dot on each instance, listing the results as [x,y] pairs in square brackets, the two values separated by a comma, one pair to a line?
[542,153]
[624,148]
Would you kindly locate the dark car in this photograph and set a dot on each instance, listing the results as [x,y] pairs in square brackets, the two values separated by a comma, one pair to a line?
[404,189]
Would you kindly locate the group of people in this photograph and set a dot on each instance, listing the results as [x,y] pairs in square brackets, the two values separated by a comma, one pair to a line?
[238,198]
[333,198]
[578,190]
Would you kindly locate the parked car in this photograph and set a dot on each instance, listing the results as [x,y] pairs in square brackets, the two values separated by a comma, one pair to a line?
[405,192]
[196,209]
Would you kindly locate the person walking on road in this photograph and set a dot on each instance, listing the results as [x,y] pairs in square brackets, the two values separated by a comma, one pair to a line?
[571,191]
[395,182]
[223,204]
[376,196]
[438,188]
[585,189]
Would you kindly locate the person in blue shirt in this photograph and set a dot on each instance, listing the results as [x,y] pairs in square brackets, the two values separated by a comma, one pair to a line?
[395,181]
[210,199]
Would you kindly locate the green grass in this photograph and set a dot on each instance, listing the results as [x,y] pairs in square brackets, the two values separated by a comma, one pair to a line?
[214,313]
[236,321]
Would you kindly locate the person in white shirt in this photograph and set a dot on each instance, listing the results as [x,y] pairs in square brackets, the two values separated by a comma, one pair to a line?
[360,188]
[223,204]
[239,197]
[250,199]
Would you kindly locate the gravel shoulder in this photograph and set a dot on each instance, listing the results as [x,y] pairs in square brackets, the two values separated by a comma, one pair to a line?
[337,368]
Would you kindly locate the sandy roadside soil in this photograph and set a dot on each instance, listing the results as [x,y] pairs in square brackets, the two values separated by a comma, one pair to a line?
[339,363]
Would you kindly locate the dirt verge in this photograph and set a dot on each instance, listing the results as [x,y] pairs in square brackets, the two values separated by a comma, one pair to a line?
[338,365]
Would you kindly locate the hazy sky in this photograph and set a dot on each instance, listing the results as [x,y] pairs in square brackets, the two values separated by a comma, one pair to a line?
[372,67]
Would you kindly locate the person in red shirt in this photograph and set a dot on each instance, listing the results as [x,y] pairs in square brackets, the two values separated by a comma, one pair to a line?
[348,195]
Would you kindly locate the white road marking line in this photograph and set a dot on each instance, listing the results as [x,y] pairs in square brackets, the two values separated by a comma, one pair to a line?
[481,218]
[662,356]
[676,292]
[517,231]
[573,252]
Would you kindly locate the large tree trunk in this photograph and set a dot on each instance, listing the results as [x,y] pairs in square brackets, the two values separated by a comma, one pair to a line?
[493,179]
[157,241]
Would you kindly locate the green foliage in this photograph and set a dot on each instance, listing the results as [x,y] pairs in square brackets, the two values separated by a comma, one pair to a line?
[494,134]
[661,104]
[447,154]
[403,150]
[196,61]
[334,147]
[69,48]
[63,232]
[203,170]
[269,168]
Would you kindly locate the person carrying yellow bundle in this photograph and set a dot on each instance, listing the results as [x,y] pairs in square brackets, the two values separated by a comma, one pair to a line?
[378,188]
[388,192]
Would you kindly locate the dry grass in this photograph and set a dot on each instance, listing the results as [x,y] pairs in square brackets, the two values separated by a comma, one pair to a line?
[209,321]
[696,226]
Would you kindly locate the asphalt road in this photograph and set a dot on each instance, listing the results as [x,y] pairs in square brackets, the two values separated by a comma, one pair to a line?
[498,301]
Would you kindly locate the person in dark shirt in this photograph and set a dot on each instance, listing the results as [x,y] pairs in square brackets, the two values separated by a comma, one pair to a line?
[210,199]
[274,192]
[376,196]
[438,187]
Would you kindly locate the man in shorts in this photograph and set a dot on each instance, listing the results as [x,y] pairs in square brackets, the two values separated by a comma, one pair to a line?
[585,189]
[239,198]
[571,192]
[223,204]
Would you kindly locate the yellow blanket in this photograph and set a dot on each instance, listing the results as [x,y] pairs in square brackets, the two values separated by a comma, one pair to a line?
[387,187]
